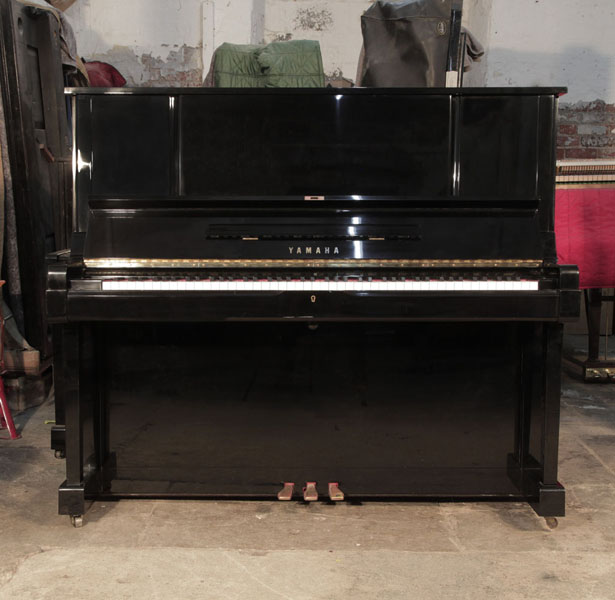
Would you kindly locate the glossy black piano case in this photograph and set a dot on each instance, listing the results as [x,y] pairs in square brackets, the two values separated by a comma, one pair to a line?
[230,394]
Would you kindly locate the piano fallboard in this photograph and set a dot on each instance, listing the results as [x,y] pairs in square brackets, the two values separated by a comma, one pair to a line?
[118,238]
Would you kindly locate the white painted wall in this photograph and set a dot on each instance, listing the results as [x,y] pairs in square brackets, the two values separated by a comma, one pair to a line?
[148,39]
[554,42]
[528,42]
[336,24]
[477,18]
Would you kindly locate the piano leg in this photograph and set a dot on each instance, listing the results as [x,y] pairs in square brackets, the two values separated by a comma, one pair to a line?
[592,367]
[593,307]
[58,431]
[73,369]
[551,493]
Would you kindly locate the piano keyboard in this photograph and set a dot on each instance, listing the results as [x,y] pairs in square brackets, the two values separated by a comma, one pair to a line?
[319,285]
[585,171]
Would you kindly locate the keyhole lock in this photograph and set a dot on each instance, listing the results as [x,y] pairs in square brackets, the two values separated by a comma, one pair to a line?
[313,299]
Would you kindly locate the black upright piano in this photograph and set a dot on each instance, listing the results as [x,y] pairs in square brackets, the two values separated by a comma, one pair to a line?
[352,291]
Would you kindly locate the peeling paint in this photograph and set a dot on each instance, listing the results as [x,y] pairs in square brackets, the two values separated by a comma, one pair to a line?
[150,29]
[313,19]
[282,37]
[181,67]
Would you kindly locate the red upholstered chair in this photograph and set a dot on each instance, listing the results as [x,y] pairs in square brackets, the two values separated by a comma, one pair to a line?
[585,235]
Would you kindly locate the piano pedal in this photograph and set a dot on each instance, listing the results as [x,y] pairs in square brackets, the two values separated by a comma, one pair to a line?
[335,494]
[310,493]
[286,493]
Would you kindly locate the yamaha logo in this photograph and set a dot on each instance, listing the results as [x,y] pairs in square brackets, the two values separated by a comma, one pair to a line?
[313,250]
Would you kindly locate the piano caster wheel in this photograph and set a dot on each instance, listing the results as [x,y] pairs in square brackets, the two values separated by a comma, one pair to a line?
[551,522]
[59,454]
[77,520]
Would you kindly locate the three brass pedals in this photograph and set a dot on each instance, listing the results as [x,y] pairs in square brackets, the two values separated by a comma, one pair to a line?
[310,492]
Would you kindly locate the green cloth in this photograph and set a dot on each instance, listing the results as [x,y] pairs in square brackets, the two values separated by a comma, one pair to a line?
[293,64]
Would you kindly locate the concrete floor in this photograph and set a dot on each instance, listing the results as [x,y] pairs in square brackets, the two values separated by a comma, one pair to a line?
[252,550]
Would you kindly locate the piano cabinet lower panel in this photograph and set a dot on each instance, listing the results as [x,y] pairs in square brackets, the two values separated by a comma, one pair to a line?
[388,410]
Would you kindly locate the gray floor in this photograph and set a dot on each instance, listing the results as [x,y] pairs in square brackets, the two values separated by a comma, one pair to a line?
[253,550]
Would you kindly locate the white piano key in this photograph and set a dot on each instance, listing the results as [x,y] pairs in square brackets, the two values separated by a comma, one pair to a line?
[352,285]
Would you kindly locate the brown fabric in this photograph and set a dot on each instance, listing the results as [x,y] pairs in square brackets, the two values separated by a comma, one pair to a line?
[474,50]
[11,261]
[61,4]
[389,23]
[102,74]
[68,42]
[406,43]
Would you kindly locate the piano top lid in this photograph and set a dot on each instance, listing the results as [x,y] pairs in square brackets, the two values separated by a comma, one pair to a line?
[469,91]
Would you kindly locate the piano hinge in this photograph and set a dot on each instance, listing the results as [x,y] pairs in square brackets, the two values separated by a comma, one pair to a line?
[193,263]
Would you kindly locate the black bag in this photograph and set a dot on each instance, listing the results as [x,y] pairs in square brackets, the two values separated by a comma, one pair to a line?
[405,44]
